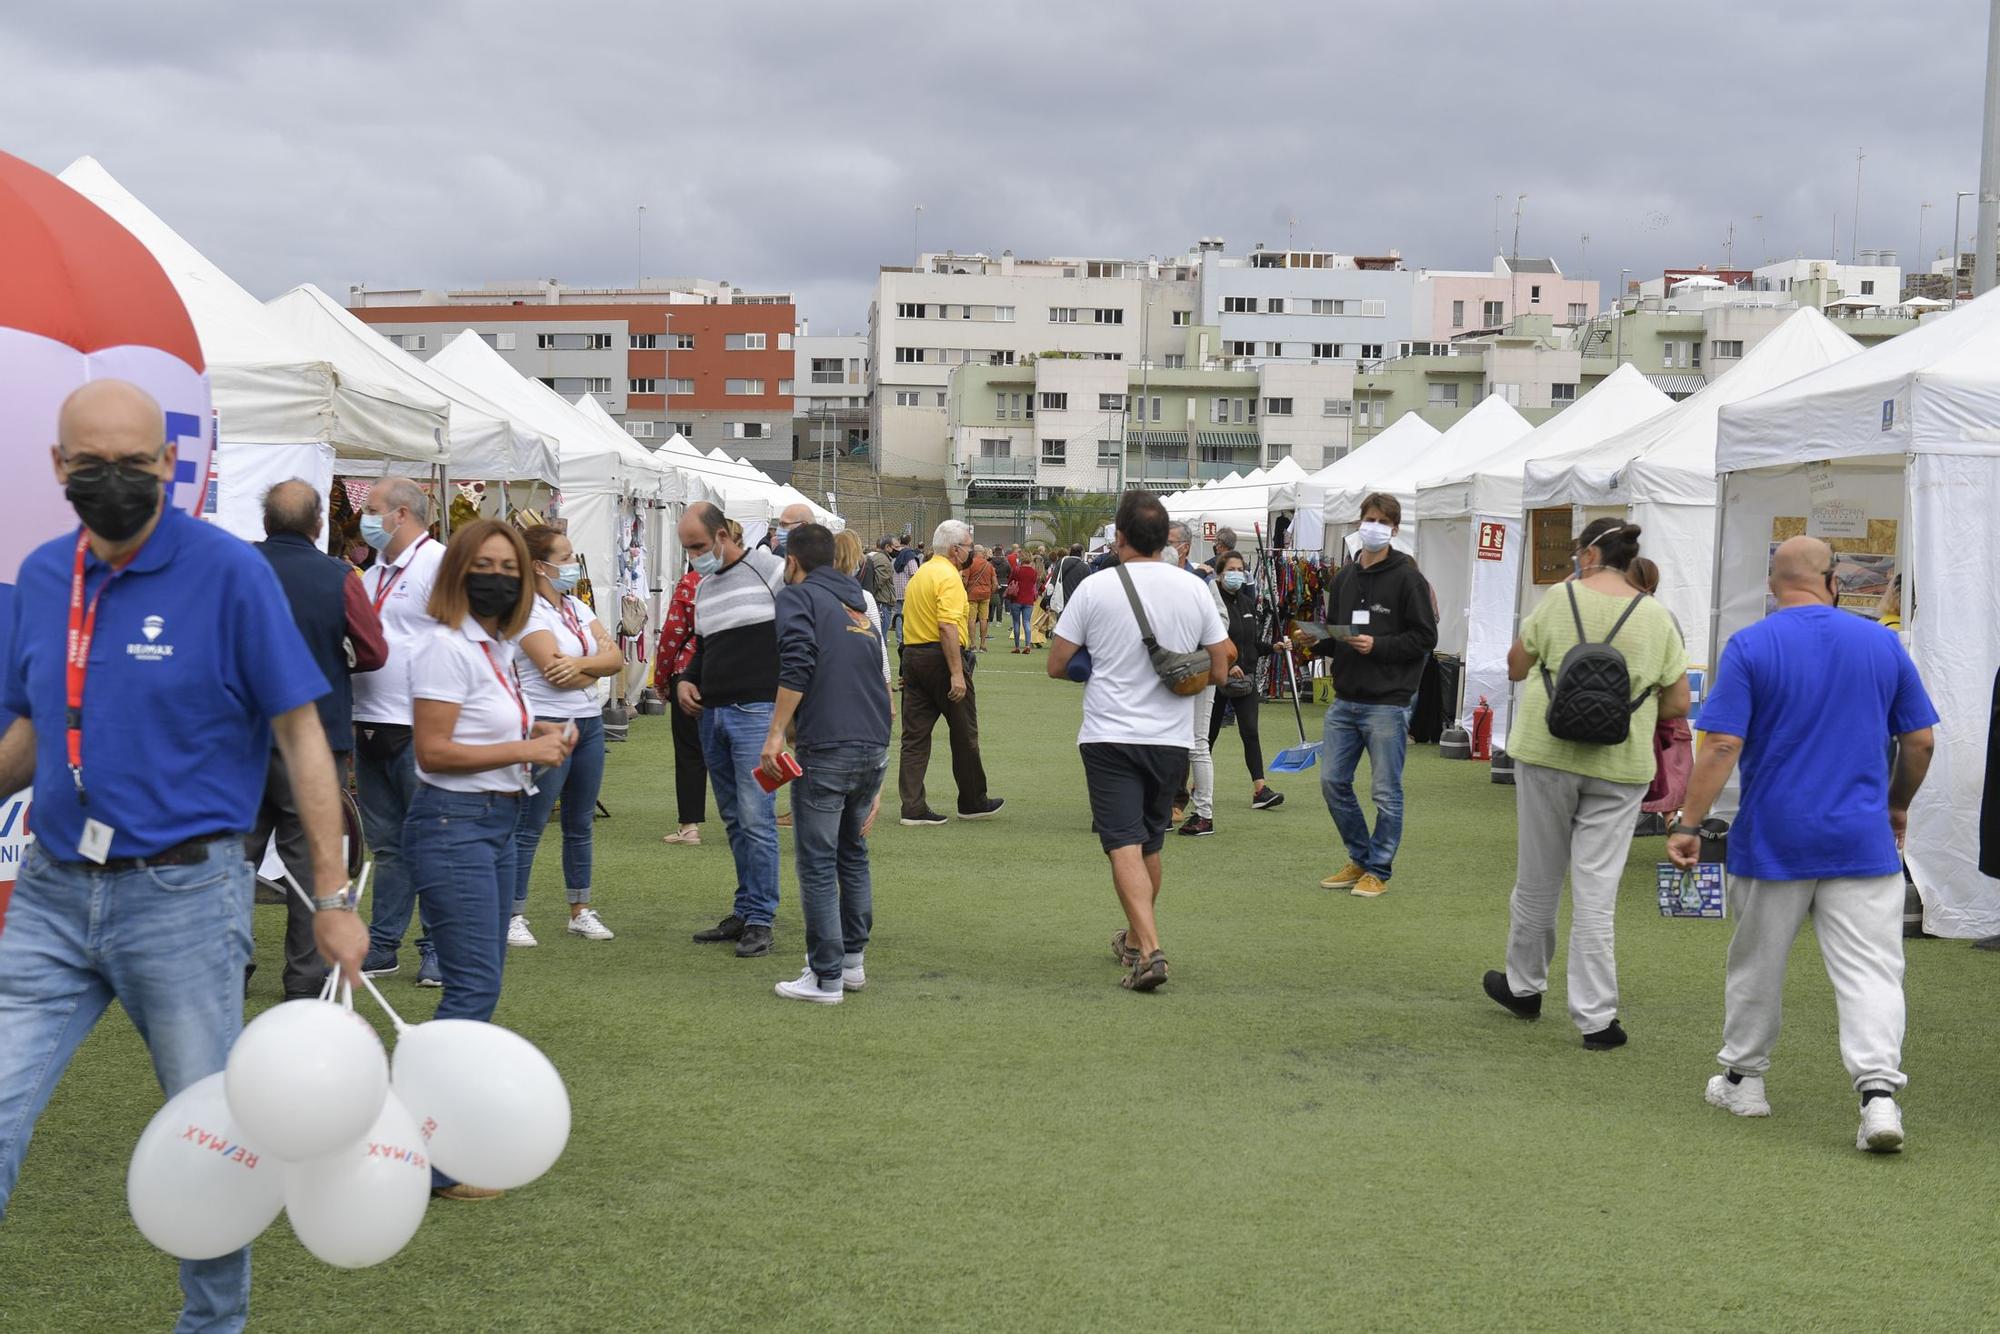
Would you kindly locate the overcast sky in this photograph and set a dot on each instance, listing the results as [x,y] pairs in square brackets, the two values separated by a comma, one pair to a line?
[785,146]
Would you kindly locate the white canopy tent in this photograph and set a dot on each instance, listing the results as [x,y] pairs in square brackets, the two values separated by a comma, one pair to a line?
[282,410]
[1660,474]
[1490,424]
[1900,442]
[1404,442]
[1241,503]
[1470,529]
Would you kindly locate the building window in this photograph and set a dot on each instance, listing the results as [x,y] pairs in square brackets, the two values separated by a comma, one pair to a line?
[785,387]
[743,342]
[1458,314]
[1509,393]
[1728,349]
[1371,351]
[1157,403]
[684,386]
[1055,402]
[1236,410]
[827,370]
[572,342]
[1275,305]
[909,310]
[1239,305]
[1107,315]
[645,343]
[1534,294]
[1000,406]
[1694,355]
[941,398]
[749,430]
[991,448]
[1218,411]
[1055,451]
[908,398]
[642,430]
[1062,314]
[1240,347]
[1277,407]
[748,387]
[1107,453]
[1444,395]
[1578,312]
[1003,314]
[499,342]
[1004,357]
[1868,287]
[642,386]
[681,342]
[1274,349]
[1275,450]
[1337,407]
[1322,305]
[784,342]
[1174,361]
[909,354]
[683,429]
[1562,393]
[1492,313]
[1111,402]
[1670,354]
[1183,318]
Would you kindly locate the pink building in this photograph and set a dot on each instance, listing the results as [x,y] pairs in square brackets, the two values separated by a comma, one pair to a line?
[1462,302]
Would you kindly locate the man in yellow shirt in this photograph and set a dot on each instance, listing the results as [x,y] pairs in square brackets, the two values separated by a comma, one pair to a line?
[937,681]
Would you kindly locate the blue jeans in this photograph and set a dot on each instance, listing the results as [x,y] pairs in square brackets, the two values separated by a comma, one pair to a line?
[383,787]
[895,620]
[462,866]
[1384,729]
[732,743]
[829,806]
[1022,614]
[169,944]
[576,783]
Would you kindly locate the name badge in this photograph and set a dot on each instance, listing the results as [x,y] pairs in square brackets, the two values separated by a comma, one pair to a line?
[1359,618]
[95,845]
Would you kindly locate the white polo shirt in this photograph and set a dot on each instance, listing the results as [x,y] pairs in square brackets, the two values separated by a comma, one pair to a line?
[400,591]
[570,624]
[467,667]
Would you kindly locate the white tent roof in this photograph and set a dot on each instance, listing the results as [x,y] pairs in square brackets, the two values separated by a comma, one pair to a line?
[1491,424]
[644,474]
[1405,439]
[1491,484]
[1671,457]
[1933,390]
[268,388]
[585,460]
[1698,280]
[484,442]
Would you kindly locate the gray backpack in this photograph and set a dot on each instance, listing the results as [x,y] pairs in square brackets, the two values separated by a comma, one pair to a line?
[1590,695]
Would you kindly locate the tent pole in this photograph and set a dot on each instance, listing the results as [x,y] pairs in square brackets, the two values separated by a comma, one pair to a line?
[443,476]
[1715,586]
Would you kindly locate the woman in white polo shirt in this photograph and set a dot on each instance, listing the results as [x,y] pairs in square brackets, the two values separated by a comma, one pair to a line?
[477,748]
[569,652]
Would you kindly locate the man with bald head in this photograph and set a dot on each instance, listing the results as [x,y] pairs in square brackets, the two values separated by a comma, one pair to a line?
[153,666]
[788,519]
[1809,700]
[395,521]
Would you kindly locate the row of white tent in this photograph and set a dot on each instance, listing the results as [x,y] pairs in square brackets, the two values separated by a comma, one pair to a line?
[1904,437]
[302,388]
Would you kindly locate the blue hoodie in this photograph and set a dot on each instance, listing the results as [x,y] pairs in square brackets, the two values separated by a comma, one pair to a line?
[829,651]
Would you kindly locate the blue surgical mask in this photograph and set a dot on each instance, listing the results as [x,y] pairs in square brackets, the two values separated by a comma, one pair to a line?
[779,536]
[565,576]
[706,563]
[1234,580]
[374,532]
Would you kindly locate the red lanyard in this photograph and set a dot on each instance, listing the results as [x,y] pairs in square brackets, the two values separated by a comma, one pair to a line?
[513,688]
[82,629]
[575,626]
[385,586]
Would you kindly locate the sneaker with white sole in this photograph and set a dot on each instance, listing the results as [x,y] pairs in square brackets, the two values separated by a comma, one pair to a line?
[1743,1098]
[806,987]
[590,926]
[1881,1126]
[518,935]
[853,975]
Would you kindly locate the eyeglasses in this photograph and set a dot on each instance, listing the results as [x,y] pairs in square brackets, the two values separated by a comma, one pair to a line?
[91,467]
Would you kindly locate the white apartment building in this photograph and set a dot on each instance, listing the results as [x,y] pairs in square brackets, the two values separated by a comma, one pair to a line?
[829,394]
[953,310]
[1876,278]
[1307,305]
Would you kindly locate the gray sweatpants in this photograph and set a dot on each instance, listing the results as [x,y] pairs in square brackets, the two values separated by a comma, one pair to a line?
[1579,827]
[1859,923]
[1201,764]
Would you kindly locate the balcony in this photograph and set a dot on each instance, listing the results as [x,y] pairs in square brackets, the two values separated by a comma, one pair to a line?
[1146,469]
[994,469]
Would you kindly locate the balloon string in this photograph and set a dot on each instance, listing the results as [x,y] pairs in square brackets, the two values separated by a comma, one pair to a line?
[394,1018]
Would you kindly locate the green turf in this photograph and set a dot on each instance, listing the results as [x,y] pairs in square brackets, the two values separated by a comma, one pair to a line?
[1320,1122]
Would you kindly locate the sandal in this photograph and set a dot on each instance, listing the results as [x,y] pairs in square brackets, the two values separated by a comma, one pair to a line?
[1146,976]
[689,837]
[1126,956]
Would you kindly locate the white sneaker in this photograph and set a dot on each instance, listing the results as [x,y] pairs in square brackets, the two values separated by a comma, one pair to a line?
[1744,1098]
[1881,1127]
[851,978]
[590,926]
[518,935]
[806,987]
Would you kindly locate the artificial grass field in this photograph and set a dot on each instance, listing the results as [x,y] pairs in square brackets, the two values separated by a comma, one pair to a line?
[1320,1122]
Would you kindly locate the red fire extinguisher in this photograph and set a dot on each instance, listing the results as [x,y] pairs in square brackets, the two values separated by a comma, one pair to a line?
[1482,731]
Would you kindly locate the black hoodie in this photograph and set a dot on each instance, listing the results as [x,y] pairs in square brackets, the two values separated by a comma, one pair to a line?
[1400,617]
[830,651]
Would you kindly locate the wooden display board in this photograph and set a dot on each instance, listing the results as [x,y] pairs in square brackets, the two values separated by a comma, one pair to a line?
[1551,538]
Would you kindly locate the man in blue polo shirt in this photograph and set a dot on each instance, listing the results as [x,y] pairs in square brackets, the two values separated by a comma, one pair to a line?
[147,744]
[1809,699]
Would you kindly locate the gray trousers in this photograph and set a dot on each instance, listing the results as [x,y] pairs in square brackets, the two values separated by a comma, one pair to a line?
[279,815]
[1859,923]
[1201,764]
[1579,827]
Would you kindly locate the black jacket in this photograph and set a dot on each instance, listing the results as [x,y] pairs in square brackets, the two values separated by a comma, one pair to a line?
[829,650]
[1402,621]
[315,586]
[1241,607]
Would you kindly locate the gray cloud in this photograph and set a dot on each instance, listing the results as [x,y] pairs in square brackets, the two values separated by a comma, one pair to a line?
[785,146]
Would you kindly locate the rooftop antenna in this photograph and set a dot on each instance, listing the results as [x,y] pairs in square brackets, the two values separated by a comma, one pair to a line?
[1763,246]
[1496,224]
[1729,246]
[1586,256]
[1518,201]
[1854,231]
[642,247]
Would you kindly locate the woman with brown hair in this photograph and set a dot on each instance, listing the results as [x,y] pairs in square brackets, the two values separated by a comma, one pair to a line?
[477,750]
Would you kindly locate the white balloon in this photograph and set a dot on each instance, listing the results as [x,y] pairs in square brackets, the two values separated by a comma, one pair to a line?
[198,1187]
[360,1205]
[306,1078]
[491,1107]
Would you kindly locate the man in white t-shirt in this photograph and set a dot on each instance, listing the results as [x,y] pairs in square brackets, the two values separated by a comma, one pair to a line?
[396,522]
[1136,734]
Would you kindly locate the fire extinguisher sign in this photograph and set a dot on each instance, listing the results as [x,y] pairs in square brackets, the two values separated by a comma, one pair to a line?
[1492,541]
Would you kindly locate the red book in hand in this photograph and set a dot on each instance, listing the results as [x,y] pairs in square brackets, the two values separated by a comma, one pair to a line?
[786,765]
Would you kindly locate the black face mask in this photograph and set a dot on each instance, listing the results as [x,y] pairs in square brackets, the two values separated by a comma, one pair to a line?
[114,500]
[492,595]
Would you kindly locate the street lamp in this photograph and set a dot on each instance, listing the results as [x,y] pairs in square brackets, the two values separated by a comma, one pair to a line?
[1957,235]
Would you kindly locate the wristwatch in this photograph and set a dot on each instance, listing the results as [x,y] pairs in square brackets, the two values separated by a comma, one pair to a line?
[1678,828]
[341,902]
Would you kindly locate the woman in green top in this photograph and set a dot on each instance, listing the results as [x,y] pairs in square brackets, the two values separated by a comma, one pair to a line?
[1576,802]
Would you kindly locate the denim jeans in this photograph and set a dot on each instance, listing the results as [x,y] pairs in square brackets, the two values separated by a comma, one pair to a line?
[829,806]
[732,742]
[576,784]
[1384,730]
[1021,623]
[462,865]
[383,788]
[169,944]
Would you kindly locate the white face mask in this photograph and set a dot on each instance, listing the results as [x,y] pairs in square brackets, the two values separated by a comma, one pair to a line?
[1374,535]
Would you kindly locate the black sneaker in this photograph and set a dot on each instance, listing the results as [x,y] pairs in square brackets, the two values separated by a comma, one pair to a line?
[1197,827]
[986,812]
[1267,800]
[1523,1007]
[1605,1039]
[926,816]
[756,941]
[380,962]
[729,928]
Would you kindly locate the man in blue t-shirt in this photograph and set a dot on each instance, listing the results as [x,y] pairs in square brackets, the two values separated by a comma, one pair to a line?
[1809,699]
[154,662]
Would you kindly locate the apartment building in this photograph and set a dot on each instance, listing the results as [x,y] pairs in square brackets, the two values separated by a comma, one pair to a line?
[1307,305]
[829,395]
[1877,278]
[1455,303]
[705,359]
[955,310]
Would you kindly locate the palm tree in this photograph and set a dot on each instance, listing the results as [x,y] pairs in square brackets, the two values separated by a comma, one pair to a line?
[1074,518]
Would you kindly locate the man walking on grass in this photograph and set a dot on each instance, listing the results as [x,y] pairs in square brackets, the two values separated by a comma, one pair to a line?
[1136,734]
[830,683]
[937,682]
[1808,699]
